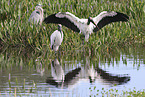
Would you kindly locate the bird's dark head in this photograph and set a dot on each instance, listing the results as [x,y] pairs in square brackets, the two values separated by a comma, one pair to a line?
[90,19]
[39,5]
[59,27]
[39,9]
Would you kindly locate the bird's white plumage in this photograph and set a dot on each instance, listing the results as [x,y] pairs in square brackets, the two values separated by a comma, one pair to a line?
[71,17]
[102,15]
[56,39]
[86,26]
[80,23]
[37,15]
[57,72]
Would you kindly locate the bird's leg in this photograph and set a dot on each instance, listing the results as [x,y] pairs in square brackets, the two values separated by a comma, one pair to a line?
[55,53]
[82,38]
[83,44]
[59,52]
[87,37]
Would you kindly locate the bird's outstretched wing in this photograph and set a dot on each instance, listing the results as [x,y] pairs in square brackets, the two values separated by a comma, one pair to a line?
[65,18]
[107,17]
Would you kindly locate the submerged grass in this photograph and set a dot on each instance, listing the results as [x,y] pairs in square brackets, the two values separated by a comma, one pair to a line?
[32,91]
[20,91]
[16,31]
[118,93]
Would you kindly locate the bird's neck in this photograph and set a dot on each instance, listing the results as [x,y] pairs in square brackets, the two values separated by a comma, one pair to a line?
[59,30]
[88,23]
[61,34]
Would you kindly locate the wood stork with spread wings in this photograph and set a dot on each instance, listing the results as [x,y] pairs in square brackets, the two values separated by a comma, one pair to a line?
[86,26]
[37,15]
[56,38]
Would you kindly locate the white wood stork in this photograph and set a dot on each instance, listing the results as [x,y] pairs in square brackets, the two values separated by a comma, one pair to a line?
[86,26]
[56,38]
[37,15]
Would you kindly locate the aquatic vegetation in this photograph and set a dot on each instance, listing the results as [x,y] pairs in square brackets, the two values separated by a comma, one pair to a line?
[16,59]
[118,93]
[15,30]
[30,42]
[33,90]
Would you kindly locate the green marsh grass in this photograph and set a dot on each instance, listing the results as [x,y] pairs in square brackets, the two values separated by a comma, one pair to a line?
[16,31]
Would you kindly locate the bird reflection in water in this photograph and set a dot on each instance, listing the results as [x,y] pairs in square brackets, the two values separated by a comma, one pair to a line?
[40,68]
[86,71]
[99,74]
[118,79]
[56,71]
[59,79]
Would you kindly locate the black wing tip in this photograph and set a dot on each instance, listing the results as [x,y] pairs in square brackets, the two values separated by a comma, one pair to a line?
[123,16]
[61,20]
[45,20]
[49,18]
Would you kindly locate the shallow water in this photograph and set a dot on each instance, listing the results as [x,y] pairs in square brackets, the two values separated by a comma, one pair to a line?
[121,69]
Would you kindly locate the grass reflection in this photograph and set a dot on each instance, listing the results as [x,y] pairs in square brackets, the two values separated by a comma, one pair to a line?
[29,56]
[11,57]
[15,30]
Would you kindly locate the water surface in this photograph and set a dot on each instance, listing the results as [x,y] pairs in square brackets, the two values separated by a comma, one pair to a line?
[72,76]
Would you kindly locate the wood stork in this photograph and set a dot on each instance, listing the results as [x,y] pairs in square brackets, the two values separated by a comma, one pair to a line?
[86,26]
[37,15]
[56,38]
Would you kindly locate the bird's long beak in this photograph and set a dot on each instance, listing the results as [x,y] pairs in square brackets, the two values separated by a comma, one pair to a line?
[95,24]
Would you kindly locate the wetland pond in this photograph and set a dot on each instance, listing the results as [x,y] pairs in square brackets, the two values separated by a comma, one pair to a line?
[71,76]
